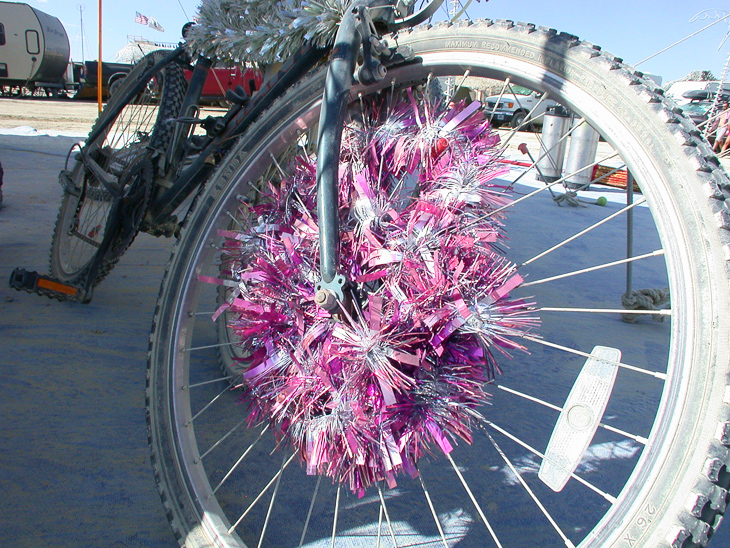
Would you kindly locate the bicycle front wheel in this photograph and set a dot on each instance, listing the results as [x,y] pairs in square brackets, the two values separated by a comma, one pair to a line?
[133,133]
[653,473]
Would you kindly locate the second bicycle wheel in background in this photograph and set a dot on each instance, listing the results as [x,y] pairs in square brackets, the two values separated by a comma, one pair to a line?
[122,152]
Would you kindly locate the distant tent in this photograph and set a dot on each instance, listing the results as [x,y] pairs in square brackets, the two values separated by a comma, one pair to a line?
[134,51]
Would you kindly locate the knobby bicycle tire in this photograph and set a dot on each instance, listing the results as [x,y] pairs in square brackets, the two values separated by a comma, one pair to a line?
[672,469]
[134,133]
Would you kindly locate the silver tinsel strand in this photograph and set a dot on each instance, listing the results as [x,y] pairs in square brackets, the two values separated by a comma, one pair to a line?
[263,32]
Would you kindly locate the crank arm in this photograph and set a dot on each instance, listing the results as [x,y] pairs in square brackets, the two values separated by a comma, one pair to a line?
[110,182]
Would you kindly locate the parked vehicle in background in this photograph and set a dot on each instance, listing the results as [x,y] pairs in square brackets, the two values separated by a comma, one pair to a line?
[35,58]
[512,108]
[112,75]
[700,103]
[697,111]
[221,79]
[34,51]
[678,90]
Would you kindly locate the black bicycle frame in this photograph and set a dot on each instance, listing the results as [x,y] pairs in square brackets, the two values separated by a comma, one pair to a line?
[355,26]
[234,123]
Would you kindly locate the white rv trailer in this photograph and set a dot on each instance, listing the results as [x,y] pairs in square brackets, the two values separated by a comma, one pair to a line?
[34,48]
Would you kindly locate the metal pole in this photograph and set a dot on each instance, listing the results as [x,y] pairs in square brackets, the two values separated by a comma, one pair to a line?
[99,82]
[81,8]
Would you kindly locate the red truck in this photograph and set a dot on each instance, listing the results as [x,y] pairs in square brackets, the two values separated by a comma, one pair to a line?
[221,79]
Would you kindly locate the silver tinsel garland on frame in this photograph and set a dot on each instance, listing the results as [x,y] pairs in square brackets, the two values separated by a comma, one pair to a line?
[263,32]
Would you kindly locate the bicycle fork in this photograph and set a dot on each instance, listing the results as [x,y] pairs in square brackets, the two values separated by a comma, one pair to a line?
[356,30]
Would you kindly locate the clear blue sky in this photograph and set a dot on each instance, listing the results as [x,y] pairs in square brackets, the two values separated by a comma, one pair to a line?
[631,29]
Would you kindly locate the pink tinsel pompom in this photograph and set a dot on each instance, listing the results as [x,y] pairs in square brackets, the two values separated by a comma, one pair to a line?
[364,395]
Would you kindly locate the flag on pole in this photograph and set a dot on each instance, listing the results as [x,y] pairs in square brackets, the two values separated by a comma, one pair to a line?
[155,25]
[141,19]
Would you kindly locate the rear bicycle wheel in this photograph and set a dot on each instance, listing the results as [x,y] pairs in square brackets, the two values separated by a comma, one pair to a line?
[653,474]
[124,152]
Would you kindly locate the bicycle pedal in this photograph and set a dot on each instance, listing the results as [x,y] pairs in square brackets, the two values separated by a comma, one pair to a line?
[33,282]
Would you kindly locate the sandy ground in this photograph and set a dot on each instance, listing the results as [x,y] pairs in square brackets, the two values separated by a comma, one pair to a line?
[63,116]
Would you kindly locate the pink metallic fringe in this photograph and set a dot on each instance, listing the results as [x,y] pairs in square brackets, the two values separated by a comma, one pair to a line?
[364,396]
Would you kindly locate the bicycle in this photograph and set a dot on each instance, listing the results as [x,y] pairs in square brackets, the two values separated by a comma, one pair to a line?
[314,253]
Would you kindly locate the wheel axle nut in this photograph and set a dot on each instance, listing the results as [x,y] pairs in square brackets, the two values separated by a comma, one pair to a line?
[325,299]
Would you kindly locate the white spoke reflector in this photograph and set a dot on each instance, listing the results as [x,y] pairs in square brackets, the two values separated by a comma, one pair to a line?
[580,417]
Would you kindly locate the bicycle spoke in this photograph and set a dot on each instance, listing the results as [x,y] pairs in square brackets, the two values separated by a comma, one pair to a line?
[337,513]
[220,440]
[235,220]
[208,346]
[143,119]
[204,383]
[528,119]
[436,519]
[239,461]
[656,253]
[387,516]
[380,526]
[474,501]
[271,504]
[505,85]
[207,406]
[530,492]
[640,439]
[262,493]
[134,116]
[457,87]
[662,312]
[528,397]
[606,496]
[547,185]
[583,232]
[656,374]
[309,512]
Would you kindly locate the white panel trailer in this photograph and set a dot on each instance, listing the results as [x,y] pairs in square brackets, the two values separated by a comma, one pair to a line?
[34,48]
